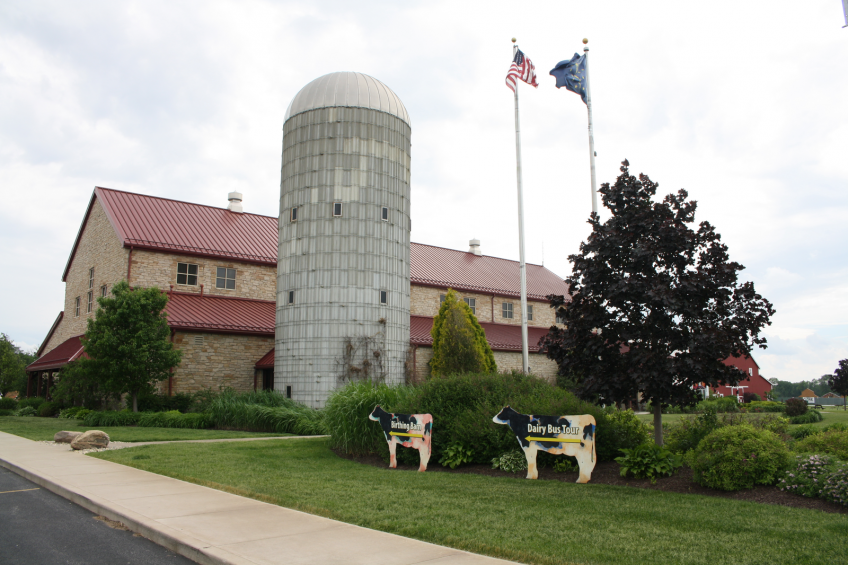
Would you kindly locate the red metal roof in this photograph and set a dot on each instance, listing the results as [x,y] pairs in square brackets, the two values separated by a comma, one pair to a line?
[149,222]
[220,314]
[67,351]
[501,337]
[462,270]
[267,361]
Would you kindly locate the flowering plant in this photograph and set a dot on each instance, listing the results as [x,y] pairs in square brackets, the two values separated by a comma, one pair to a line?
[818,476]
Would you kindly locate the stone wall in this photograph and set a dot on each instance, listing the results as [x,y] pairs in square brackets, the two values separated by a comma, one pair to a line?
[540,365]
[217,361]
[424,301]
[152,268]
[99,248]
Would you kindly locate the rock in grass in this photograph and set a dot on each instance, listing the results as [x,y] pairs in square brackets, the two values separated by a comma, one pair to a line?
[92,439]
[66,437]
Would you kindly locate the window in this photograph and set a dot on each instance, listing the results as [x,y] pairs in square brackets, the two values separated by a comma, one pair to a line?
[90,300]
[472,303]
[560,317]
[91,278]
[529,313]
[76,306]
[385,214]
[507,310]
[750,371]
[288,391]
[293,216]
[225,278]
[104,291]
[442,298]
[337,208]
[291,297]
[384,297]
[187,274]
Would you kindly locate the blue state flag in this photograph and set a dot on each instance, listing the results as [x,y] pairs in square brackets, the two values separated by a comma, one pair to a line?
[572,75]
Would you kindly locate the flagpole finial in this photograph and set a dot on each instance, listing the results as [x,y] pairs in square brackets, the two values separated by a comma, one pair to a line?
[585,41]
[514,40]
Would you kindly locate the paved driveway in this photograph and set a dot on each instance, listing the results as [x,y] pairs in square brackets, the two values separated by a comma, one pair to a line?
[38,527]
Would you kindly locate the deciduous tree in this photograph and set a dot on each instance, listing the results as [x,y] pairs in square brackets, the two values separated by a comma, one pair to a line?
[655,304]
[838,382]
[127,341]
[459,342]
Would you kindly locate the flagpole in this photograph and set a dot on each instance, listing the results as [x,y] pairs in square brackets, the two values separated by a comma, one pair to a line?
[591,132]
[525,360]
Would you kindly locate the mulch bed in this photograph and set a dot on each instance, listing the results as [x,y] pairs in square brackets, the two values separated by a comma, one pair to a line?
[609,474]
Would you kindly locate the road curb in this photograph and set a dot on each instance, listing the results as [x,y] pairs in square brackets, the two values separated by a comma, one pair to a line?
[151,530]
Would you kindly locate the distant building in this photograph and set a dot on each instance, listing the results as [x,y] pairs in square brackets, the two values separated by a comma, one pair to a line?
[807,393]
[754,382]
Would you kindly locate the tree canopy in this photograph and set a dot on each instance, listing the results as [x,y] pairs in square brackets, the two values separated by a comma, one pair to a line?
[13,361]
[459,342]
[127,341]
[655,304]
[838,382]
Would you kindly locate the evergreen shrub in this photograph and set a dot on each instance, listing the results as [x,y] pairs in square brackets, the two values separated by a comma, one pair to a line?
[111,418]
[26,411]
[175,419]
[33,402]
[48,409]
[739,457]
[6,412]
[766,406]
[8,404]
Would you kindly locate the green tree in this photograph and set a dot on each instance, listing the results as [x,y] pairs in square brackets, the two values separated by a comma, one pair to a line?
[13,362]
[838,381]
[127,341]
[459,342]
[655,305]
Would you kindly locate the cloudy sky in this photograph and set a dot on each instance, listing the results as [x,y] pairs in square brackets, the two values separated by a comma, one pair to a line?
[743,104]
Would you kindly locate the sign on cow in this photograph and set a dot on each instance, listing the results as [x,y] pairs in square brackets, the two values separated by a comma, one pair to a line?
[408,430]
[565,435]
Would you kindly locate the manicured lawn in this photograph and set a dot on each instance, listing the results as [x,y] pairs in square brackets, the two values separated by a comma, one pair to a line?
[544,522]
[831,415]
[43,429]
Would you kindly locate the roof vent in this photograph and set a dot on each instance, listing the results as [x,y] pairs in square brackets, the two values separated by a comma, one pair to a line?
[475,247]
[235,202]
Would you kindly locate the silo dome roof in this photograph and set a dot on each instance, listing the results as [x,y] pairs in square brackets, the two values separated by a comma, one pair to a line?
[347,89]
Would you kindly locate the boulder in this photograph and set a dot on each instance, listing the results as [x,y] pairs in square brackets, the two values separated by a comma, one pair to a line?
[66,437]
[92,439]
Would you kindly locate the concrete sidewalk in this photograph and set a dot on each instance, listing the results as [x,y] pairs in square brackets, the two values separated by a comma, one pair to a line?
[210,526]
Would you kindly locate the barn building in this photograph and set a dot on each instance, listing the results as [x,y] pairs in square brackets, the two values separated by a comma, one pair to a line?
[219,267]
[754,382]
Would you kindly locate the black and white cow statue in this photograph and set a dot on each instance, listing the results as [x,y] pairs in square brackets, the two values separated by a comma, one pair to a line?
[558,435]
[408,430]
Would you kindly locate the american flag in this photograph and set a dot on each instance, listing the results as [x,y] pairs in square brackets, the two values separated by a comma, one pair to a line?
[522,68]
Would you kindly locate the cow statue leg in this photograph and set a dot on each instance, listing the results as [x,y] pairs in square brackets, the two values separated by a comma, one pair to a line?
[530,454]
[392,458]
[424,453]
[586,464]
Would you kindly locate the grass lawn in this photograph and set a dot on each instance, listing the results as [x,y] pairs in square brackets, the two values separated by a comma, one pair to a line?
[43,429]
[539,522]
[831,415]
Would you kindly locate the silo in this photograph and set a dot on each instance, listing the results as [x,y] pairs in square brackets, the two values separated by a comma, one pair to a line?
[343,264]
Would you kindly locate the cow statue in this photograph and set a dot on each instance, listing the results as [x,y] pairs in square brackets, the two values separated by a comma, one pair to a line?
[408,430]
[558,435]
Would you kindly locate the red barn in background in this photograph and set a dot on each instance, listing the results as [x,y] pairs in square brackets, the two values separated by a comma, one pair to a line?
[754,383]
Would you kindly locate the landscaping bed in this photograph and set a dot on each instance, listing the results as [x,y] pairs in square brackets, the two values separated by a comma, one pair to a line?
[609,473]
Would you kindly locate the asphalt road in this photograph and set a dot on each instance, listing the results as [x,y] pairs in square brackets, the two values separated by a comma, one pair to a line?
[38,527]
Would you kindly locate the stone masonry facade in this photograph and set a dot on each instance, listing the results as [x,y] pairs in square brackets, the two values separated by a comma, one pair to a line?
[99,249]
[217,361]
[424,301]
[540,365]
[152,268]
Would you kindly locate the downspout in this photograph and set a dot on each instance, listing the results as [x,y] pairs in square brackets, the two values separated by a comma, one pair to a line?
[171,370]
[129,266]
